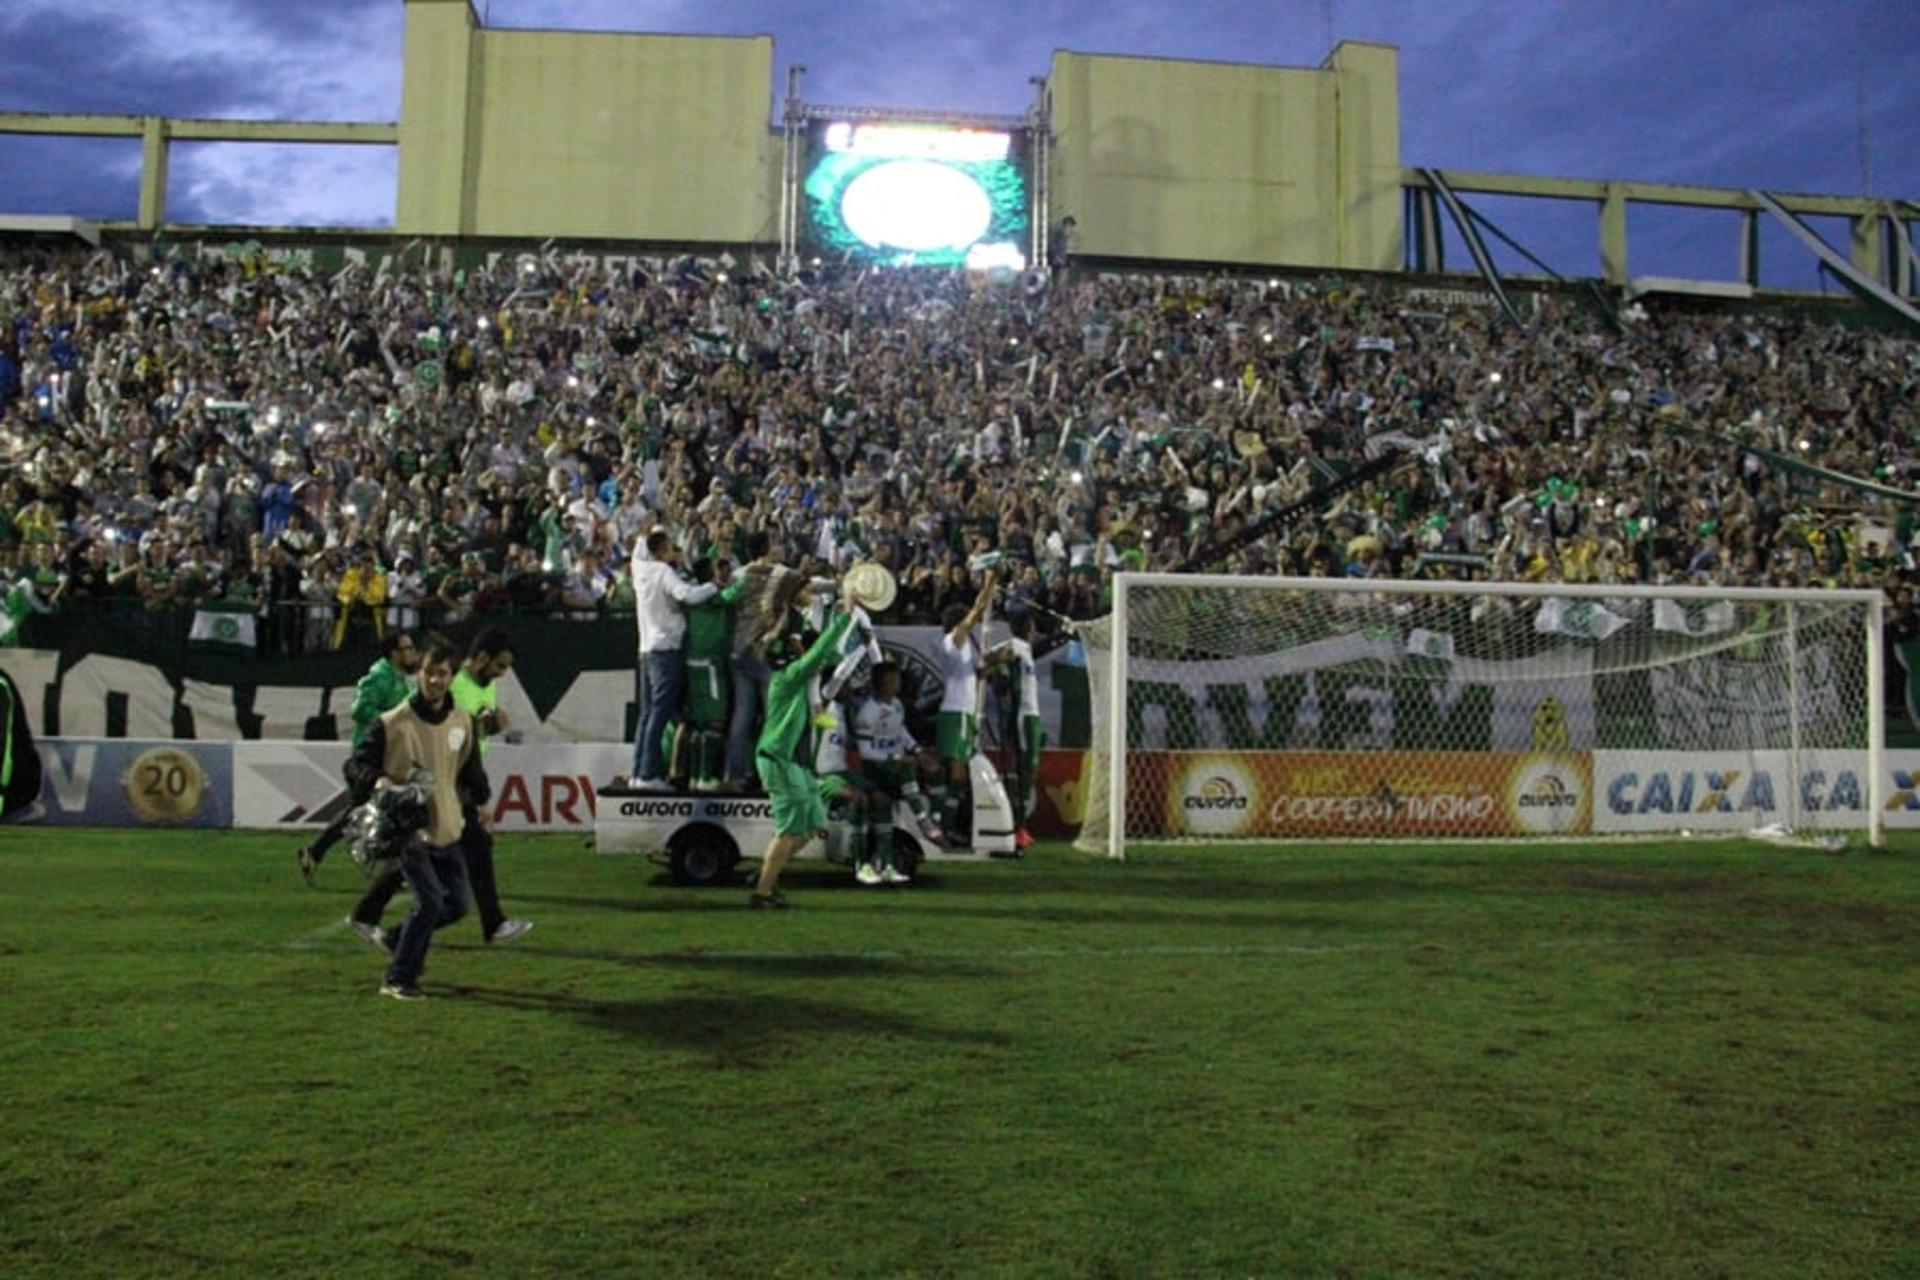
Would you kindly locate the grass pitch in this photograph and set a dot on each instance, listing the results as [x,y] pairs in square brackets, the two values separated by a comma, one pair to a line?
[1640,1060]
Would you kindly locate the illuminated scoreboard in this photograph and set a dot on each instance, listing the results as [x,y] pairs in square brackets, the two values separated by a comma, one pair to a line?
[910,194]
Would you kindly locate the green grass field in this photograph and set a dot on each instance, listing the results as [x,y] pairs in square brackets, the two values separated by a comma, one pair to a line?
[1696,1060]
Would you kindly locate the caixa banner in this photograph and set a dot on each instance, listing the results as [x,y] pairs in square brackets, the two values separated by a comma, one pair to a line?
[536,786]
[1659,791]
[1282,794]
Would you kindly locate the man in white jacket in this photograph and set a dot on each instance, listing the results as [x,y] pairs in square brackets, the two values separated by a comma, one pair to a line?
[658,594]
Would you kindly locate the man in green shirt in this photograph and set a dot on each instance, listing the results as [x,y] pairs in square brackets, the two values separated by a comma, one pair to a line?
[476,691]
[798,812]
[699,753]
[387,684]
[20,772]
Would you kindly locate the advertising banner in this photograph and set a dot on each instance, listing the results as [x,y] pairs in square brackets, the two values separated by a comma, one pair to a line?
[1283,794]
[122,782]
[1663,791]
[536,786]
[1901,797]
[1058,804]
[120,684]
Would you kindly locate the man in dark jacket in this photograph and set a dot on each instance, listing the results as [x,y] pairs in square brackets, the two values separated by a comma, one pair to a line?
[427,732]
[386,685]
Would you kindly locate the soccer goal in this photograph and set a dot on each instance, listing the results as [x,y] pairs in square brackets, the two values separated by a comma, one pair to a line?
[1267,709]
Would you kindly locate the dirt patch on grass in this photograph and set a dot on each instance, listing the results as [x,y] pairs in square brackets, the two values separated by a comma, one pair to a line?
[1854,921]
[1647,884]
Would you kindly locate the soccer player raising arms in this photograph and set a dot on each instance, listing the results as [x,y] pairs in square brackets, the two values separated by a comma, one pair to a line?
[960,660]
[798,812]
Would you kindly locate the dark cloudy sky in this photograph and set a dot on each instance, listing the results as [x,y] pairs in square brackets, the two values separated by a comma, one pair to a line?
[1768,93]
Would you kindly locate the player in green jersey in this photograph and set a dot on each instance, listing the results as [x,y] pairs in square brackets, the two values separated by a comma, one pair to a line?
[798,813]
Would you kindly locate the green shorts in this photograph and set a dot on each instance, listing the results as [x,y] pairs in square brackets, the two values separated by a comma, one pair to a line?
[797,810]
[842,786]
[894,777]
[955,731]
[706,706]
[1033,736]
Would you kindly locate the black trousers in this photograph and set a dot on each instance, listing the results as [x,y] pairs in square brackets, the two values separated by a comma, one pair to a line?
[335,831]
[329,836]
[476,845]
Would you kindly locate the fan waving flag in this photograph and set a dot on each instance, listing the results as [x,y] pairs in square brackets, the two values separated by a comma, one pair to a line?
[1430,644]
[1584,619]
[1707,619]
[225,631]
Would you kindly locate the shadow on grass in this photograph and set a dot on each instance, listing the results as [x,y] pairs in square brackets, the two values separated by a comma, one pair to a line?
[1125,882]
[1016,909]
[789,965]
[836,881]
[736,1030]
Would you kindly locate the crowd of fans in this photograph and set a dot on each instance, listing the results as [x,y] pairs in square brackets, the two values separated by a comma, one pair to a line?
[421,447]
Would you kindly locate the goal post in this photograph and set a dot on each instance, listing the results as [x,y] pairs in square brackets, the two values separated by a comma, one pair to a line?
[1268,709]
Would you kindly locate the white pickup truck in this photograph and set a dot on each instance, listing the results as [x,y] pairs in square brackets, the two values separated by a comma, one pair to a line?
[703,838]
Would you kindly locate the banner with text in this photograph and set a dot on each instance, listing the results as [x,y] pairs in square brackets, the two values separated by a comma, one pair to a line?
[122,782]
[1663,791]
[536,786]
[1282,794]
[100,688]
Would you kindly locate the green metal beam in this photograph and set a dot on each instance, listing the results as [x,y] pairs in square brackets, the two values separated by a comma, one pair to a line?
[1517,184]
[85,126]
[1795,466]
[370,133]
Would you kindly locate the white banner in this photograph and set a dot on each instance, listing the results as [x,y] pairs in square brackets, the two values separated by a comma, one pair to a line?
[536,786]
[233,630]
[1666,791]
[594,708]
[1542,702]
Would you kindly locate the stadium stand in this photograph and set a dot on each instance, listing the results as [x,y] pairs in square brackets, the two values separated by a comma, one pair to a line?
[314,449]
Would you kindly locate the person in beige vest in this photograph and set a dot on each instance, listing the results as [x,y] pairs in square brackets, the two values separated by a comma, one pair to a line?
[428,732]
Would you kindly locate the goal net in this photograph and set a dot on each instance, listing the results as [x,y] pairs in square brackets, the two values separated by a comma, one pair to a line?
[1231,708]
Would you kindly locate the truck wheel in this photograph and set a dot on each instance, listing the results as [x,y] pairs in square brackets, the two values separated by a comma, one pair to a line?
[702,857]
[906,853]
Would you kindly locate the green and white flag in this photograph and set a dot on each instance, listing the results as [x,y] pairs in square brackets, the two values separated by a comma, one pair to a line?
[19,600]
[225,631]
[1430,644]
[1583,619]
[1703,619]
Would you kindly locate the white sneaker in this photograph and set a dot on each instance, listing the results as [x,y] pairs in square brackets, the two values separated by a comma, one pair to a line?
[868,873]
[508,930]
[653,786]
[374,935]
[893,875]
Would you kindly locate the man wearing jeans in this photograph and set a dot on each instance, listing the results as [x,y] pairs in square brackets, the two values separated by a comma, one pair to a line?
[476,691]
[427,732]
[747,665]
[658,594]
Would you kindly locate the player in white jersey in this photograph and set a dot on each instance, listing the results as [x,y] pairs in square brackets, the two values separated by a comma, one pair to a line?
[889,755]
[959,659]
[843,776]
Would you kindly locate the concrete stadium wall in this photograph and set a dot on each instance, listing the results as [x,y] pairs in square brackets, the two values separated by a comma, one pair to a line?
[1212,162]
[584,135]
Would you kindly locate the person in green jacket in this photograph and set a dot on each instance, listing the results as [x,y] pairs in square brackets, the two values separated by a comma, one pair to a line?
[798,812]
[698,751]
[387,684]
